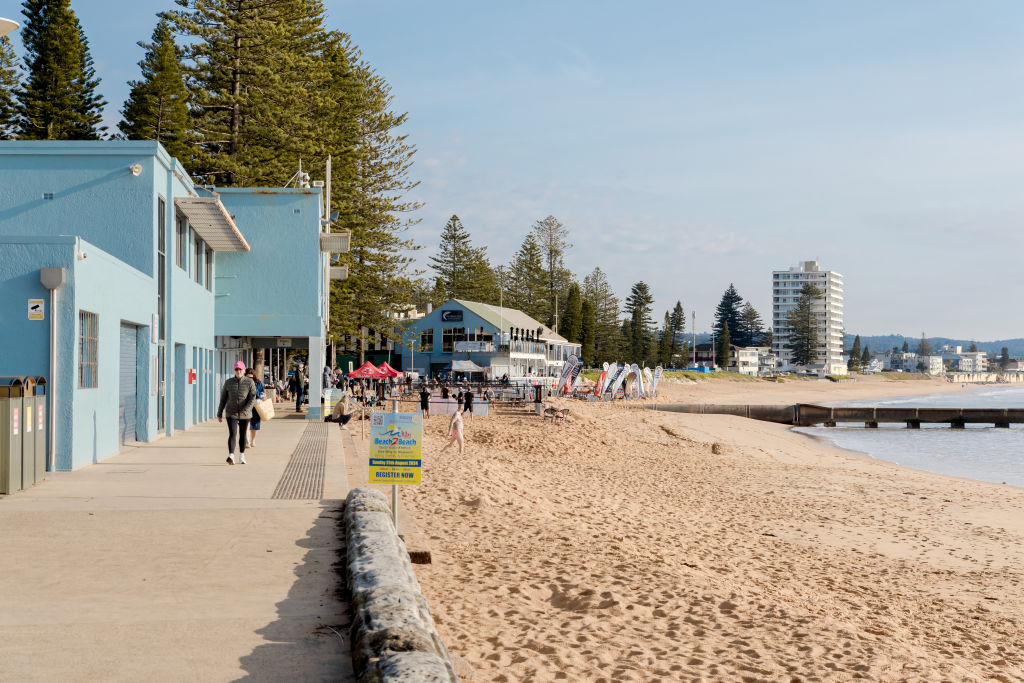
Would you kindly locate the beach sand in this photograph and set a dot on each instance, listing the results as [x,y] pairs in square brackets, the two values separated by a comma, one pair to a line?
[633,545]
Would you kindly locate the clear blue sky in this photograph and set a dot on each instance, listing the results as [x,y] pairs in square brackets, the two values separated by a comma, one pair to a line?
[694,144]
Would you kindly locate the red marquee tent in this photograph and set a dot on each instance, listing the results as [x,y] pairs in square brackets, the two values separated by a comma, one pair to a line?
[366,371]
[386,370]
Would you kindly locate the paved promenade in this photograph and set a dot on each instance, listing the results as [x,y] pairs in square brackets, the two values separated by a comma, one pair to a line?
[164,563]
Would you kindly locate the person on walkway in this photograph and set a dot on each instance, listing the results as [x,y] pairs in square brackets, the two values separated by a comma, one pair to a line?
[425,401]
[467,400]
[300,386]
[342,412]
[255,420]
[236,400]
[455,432]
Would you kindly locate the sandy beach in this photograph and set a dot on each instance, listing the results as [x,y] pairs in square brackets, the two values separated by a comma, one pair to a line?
[633,545]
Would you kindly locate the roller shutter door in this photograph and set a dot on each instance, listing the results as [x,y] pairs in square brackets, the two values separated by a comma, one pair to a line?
[127,384]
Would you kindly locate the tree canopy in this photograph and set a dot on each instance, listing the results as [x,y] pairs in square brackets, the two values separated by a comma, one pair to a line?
[804,334]
[59,98]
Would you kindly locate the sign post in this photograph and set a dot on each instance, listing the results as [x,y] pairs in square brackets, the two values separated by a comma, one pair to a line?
[396,446]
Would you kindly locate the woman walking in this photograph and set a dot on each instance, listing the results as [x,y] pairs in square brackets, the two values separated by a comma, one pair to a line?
[455,432]
[236,399]
[254,422]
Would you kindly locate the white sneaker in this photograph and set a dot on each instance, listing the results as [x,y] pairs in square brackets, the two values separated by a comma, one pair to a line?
[242,460]
[231,460]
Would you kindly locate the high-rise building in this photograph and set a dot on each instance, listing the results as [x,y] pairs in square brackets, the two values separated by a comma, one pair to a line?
[828,310]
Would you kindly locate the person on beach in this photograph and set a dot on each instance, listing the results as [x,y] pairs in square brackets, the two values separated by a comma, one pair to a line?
[425,401]
[236,399]
[455,428]
[254,422]
[467,401]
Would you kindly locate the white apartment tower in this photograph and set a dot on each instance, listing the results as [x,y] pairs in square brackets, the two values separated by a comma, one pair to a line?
[828,309]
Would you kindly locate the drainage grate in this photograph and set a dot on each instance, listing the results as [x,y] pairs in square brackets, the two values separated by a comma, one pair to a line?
[303,478]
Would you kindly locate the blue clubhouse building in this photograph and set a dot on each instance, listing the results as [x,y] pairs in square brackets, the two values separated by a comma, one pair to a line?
[483,341]
[133,291]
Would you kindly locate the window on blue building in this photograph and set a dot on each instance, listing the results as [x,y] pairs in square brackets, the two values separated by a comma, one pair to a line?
[197,246]
[88,349]
[450,335]
[182,242]
[427,341]
[209,269]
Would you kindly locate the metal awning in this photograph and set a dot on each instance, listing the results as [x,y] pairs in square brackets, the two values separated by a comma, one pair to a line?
[212,223]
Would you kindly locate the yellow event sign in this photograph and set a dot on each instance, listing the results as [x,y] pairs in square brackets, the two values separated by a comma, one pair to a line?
[396,444]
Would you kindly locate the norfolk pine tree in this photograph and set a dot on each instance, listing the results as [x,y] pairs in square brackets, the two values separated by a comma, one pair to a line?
[527,282]
[587,328]
[677,325]
[638,308]
[461,268]
[751,327]
[58,100]
[1004,358]
[804,336]
[608,339]
[728,311]
[722,350]
[553,239]
[9,84]
[855,354]
[370,176]
[157,106]
[923,347]
[665,342]
[259,87]
[572,320]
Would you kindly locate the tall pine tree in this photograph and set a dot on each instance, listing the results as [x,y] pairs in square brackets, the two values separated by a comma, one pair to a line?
[677,326]
[572,318]
[527,282]
[723,348]
[461,268]
[157,106]
[804,335]
[855,355]
[588,326]
[751,329]
[728,311]
[370,177]
[553,239]
[608,340]
[9,84]
[58,100]
[259,85]
[665,342]
[638,312]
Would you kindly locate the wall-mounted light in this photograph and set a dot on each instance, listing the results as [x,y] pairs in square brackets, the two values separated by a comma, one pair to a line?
[136,169]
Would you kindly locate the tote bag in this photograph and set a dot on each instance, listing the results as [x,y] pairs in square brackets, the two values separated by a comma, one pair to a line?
[265,408]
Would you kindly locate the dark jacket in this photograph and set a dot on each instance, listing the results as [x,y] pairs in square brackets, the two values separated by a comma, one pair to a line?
[237,398]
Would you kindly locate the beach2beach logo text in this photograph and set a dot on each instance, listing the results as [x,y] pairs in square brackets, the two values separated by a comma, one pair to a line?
[393,436]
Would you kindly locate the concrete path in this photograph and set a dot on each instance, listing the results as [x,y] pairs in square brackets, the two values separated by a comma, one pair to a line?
[164,563]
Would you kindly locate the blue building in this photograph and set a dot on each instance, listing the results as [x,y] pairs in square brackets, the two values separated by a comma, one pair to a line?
[161,286]
[491,341]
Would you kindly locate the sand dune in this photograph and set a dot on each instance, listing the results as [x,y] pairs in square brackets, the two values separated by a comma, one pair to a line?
[618,547]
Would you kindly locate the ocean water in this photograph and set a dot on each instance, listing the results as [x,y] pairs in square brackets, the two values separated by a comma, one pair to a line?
[978,452]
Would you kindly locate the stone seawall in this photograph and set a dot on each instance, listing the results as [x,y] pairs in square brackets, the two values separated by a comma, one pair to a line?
[393,634]
[986,377]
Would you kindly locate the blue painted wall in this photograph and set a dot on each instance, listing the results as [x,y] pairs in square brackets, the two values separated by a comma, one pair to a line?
[24,343]
[116,293]
[95,196]
[283,228]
